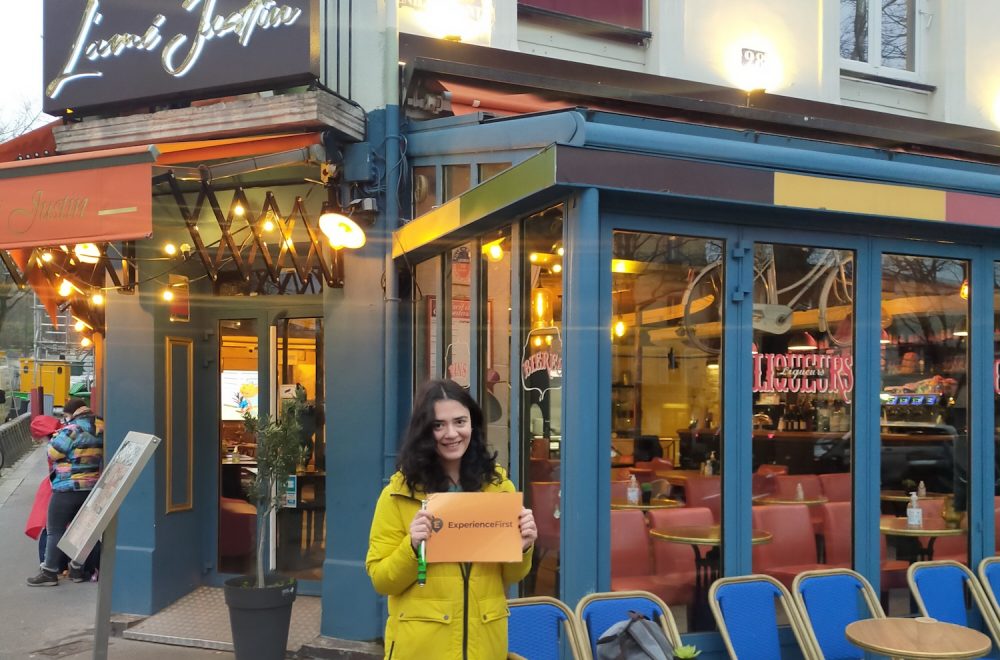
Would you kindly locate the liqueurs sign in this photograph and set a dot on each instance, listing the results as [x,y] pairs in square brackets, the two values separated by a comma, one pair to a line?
[181,51]
[808,373]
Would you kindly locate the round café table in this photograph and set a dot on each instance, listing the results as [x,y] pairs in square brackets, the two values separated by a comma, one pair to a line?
[903,496]
[707,565]
[917,638]
[930,530]
[654,503]
[809,501]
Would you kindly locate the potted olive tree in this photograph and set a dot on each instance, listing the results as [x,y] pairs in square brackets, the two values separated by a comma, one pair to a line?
[260,605]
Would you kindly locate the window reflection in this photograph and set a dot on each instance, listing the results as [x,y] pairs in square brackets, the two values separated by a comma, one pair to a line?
[803,385]
[666,325]
[540,380]
[925,409]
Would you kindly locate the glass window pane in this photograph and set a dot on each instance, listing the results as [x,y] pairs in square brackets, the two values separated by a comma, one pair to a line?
[854,30]
[666,421]
[803,384]
[925,409]
[487,170]
[496,343]
[898,34]
[426,294]
[424,189]
[457,179]
[458,340]
[541,392]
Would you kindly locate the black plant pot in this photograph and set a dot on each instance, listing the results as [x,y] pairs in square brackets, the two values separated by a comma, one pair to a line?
[259,618]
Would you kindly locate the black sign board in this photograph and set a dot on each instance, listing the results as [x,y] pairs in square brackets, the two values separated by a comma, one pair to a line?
[115,53]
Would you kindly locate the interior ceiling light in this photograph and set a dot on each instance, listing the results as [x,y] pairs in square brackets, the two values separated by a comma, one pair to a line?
[168,294]
[963,291]
[802,341]
[341,231]
[620,328]
[87,253]
[65,288]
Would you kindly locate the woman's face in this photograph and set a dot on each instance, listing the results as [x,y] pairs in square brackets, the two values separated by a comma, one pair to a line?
[452,431]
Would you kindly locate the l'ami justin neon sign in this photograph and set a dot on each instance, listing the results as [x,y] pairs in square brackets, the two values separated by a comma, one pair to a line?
[804,372]
[94,47]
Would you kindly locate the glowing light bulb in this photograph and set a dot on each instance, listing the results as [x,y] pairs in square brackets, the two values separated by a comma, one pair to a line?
[170,249]
[556,268]
[268,225]
[46,257]
[495,252]
[533,257]
[65,288]
[97,299]
[537,342]
[85,342]
[619,328]
[168,295]
[87,253]
[79,326]
[239,211]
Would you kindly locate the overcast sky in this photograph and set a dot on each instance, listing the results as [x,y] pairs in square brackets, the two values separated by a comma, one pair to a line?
[20,56]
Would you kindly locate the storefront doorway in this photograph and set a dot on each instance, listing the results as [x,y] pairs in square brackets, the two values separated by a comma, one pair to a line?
[252,381]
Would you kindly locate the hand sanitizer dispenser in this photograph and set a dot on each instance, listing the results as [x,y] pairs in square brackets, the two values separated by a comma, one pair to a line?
[914,514]
[632,493]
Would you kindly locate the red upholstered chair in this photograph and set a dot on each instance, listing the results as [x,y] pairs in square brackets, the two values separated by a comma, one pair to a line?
[631,562]
[836,486]
[237,527]
[786,486]
[674,562]
[838,533]
[541,469]
[955,548]
[619,490]
[793,546]
[705,492]
[545,501]
[772,468]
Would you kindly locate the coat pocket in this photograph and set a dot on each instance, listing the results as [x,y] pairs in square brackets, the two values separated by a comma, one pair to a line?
[494,609]
[424,630]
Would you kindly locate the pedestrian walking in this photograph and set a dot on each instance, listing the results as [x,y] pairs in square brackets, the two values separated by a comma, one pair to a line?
[459,610]
[77,453]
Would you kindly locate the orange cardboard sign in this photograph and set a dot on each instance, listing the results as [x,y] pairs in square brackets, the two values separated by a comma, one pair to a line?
[475,527]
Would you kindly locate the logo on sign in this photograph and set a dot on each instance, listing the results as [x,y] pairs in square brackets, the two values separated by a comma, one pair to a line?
[808,373]
[541,371]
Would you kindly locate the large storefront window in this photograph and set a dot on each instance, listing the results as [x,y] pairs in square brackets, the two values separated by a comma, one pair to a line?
[426,294]
[803,413]
[666,418]
[541,391]
[458,327]
[495,344]
[925,412]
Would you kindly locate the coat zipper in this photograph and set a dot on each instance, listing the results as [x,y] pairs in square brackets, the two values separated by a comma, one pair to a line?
[392,649]
[466,570]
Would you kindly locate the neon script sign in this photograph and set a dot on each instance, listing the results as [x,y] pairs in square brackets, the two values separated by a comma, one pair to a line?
[804,372]
[194,39]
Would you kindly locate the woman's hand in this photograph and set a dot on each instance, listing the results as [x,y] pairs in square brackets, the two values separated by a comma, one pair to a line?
[420,528]
[526,521]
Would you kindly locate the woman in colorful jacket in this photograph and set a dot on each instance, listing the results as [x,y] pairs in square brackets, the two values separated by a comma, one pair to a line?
[461,611]
[76,453]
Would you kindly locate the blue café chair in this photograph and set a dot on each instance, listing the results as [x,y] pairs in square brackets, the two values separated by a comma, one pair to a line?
[541,627]
[940,588]
[597,612]
[830,599]
[989,578]
[746,611]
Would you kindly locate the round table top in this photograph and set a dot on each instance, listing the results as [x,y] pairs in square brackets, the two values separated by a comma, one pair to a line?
[677,476]
[655,503]
[918,638]
[931,527]
[819,499]
[903,496]
[702,535]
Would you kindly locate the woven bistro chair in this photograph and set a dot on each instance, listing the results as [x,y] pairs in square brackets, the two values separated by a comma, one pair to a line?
[828,600]
[597,612]
[542,628]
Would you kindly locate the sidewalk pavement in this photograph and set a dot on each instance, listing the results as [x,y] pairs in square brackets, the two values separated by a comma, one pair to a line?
[53,622]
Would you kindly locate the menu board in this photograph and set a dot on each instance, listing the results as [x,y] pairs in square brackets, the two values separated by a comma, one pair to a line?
[117,478]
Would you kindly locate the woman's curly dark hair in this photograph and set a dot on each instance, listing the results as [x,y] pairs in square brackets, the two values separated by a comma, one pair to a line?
[418,457]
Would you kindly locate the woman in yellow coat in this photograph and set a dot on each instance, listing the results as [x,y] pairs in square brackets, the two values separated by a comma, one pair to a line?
[461,611]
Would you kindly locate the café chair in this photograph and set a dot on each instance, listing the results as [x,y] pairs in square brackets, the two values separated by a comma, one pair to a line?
[786,488]
[989,578]
[631,560]
[674,563]
[746,611]
[597,612]
[792,548]
[705,492]
[955,548]
[941,589]
[836,486]
[837,534]
[619,490]
[829,600]
[542,628]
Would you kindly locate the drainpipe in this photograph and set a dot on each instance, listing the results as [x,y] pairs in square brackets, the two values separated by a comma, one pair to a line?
[392,180]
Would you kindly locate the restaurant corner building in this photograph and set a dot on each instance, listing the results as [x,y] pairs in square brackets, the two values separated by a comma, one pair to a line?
[776,308]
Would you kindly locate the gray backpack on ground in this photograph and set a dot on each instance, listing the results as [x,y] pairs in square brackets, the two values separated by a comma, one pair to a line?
[636,638]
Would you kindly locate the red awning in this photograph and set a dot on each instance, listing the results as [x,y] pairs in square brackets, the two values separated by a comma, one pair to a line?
[472,98]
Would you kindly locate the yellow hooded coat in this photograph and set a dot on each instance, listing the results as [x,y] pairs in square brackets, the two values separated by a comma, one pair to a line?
[461,612]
